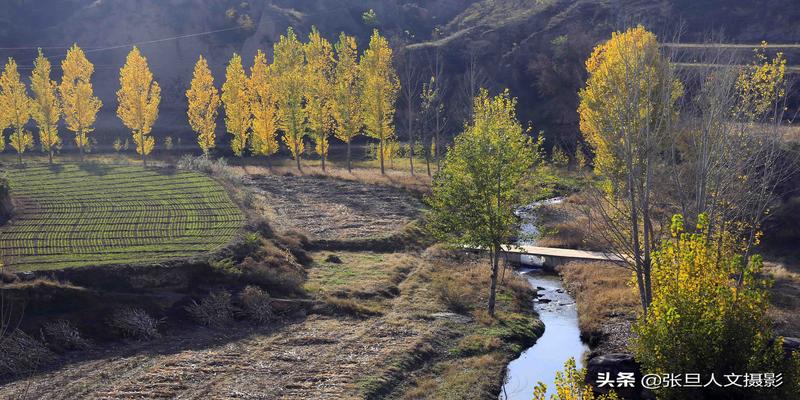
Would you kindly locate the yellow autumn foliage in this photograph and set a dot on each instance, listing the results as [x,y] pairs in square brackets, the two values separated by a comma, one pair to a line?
[236,99]
[290,85]
[139,97]
[16,106]
[380,89]
[264,108]
[204,101]
[319,73]
[46,109]
[346,102]
[625,99]
[80,106]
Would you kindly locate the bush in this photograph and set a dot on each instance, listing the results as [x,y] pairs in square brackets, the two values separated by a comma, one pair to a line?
[708,315]
[219,168]
[21,354]
[214,311]
[134,323]
[570,383]
[257,304]
[62,336]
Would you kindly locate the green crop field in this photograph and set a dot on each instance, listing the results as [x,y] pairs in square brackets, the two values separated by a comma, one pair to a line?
[74,216]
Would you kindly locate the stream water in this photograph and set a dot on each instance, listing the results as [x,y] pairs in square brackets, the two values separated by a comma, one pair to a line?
[556,308]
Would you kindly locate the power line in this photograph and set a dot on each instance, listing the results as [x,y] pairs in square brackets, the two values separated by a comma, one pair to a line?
[145,42]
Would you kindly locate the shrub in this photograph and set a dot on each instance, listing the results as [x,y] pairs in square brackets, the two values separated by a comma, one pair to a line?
[277,277]
[708,316]
[214,311]
[257,304]
[61,336]
[134,323]
[22,354]
[571,384]
[219,168]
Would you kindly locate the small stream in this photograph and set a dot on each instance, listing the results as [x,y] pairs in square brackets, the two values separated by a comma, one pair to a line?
[556,308]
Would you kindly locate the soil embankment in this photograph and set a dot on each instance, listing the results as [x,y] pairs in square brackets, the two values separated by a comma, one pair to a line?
[6,207]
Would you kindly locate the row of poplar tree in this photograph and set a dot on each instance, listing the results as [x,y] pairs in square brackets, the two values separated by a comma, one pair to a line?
[314,88]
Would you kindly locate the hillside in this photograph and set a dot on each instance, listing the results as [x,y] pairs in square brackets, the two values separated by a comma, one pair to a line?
[534,47]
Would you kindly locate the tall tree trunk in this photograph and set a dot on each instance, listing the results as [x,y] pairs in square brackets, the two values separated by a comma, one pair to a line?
[436,154]
[493,288]
[50,155]
[297,160]
[428,159]
[349,165]
[323,164]
[80,145]
[411,156]
[383,170]
[19,154]
[144,157]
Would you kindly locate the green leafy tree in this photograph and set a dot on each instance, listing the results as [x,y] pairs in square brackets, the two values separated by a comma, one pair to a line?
[700,321]
[479,187]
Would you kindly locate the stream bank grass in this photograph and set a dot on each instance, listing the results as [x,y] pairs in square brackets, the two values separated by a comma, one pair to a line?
[602,293]
[470,350]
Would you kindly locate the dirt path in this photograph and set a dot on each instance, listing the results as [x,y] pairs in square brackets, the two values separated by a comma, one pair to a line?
[335,209]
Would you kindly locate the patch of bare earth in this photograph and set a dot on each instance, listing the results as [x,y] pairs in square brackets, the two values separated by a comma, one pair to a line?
[328,208]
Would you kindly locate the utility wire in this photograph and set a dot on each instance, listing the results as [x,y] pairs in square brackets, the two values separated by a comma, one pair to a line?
[122,46]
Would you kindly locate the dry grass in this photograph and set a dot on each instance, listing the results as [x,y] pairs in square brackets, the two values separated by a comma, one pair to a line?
[602,294]
[571,224]
[464,378]
[785,299]
[358,274]
[419,184]
[20,354]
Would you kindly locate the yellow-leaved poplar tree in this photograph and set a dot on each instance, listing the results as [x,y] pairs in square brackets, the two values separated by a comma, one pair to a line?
[381,86]
[346,101]
[80,106]
[204,101]
[46,109]
[264,140]
[626,110]
[139,97]
[236,100]
[16,105]
[319,72]
[290,87]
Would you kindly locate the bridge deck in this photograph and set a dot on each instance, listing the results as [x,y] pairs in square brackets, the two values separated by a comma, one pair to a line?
[560,253]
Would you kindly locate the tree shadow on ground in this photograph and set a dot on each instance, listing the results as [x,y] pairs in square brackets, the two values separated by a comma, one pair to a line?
[95,168]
